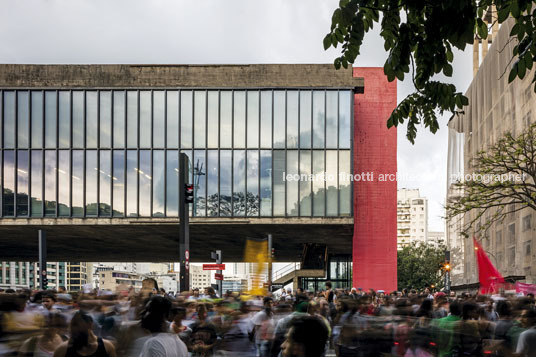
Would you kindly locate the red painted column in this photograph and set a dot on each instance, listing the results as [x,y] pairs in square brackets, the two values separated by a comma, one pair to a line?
[374,242]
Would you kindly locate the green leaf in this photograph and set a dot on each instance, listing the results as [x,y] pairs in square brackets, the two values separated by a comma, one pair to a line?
[513,73]
[503,14]
[327,41]
[465,100]
[521,69]
[447,70]
[450,56]
[514,9]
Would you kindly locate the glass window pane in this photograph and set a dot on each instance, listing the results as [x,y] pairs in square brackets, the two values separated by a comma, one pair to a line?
[319,193]
[345,128]
[159,120]
[239,119]
[37,183]
[78,119]
[145,179]
[266,183]
[212,119]
[253,201]
[37,119]
[305,119]
[266,119]
[226,169]
[172,184]
[119,119]
[23,118]
[212,183]
[9,119]
[253,119]
[105,174]
[159,183]
[118,182]
[78,183]
[239,183]
[8,198]
[279,183]
[50,183]
[145,119]
[305,183]
[331,183]
[132,183]
[279,120]
[64,117]
[132,119]
[22,183]
[64,176]
[91,119]
[292,182]
[318,118]
[345,192]
[226,117]
[105,120]
[292,119]
[186,119]
[92,177]
[331,119]
[199,176]
[200,118]
[172,119]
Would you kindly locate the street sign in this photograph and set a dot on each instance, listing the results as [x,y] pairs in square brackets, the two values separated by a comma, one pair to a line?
[276,287]
[213,266]
[218,276]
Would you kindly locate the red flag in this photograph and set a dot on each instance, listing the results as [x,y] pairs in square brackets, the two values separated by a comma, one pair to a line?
[489,277]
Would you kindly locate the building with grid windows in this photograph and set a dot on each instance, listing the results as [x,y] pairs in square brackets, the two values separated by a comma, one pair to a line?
[90,153]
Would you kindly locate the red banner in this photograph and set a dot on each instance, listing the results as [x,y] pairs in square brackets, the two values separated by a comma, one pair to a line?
[489,277]
[525,288]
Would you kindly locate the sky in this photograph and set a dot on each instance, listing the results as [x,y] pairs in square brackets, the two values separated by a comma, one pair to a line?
[219,32]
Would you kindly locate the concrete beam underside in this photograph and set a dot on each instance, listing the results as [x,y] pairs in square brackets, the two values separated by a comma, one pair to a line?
[157,240]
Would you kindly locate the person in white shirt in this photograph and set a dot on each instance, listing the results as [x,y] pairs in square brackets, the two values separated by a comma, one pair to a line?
[526,344]
[161,343]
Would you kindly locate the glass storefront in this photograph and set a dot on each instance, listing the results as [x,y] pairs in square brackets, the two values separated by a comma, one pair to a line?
[114,153]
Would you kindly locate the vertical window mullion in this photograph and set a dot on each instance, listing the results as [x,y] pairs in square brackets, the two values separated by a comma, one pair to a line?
[152,156]
[165,151]
[57,152]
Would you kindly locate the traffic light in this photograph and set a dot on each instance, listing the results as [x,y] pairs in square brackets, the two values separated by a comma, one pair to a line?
[446,266]
[188,193]
[45,283]
[273,252]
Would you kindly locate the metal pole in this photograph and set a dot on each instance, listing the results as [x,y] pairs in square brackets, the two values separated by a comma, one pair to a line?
[220,282]
[269,262]
[42,238]
[447,273]
[184,232]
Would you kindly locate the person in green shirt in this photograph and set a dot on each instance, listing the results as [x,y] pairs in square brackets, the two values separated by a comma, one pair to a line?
[444,330]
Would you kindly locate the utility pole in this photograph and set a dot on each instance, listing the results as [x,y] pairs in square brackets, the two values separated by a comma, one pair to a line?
[42,241]
[217,256]
[447,271]
[185,198]
[270,261]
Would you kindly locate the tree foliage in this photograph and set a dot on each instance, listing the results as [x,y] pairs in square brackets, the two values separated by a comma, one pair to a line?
[503,182]
[420,37]
[419,266]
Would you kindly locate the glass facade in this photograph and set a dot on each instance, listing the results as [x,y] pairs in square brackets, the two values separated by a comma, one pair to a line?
[114,153]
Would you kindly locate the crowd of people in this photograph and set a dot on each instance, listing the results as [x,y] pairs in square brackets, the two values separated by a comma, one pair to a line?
[152,322]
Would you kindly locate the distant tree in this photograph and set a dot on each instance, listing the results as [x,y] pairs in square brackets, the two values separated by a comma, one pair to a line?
[420,37]
[419,266]
[503,182]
